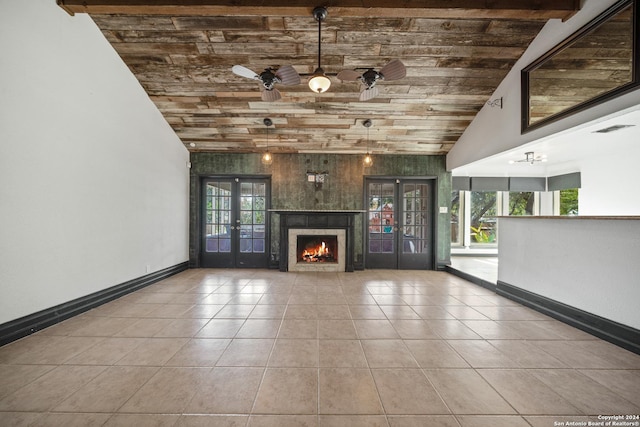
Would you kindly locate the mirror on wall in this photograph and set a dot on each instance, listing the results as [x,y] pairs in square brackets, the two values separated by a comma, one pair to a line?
[592,65]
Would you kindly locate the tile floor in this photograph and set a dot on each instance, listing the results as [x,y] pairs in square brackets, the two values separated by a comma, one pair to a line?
[483,267]
[265,348]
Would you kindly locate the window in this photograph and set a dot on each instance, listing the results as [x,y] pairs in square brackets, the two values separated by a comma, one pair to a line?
[522,203]
[457,217]
[567,202]
[483,223]
[474,214]
[474,221]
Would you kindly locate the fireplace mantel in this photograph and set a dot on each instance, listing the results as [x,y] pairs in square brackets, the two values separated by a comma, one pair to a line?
[316,219]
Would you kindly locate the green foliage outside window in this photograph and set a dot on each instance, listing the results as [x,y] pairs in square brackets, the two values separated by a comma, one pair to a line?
[483,216]
[569,202]
[521,203]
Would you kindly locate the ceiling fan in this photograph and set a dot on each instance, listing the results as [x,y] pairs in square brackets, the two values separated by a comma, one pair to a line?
[287,75]
[394,70]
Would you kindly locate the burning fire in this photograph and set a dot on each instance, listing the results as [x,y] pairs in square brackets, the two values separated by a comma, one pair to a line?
[318,253]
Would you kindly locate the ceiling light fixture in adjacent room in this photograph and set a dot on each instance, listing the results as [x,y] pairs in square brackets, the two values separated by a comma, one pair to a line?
[267,158]
[319,82]
[531,158]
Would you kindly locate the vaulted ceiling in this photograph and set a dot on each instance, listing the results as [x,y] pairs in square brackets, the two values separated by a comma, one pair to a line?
[456,52]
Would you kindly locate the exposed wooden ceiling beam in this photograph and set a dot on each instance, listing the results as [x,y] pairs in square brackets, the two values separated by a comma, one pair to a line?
[448,9]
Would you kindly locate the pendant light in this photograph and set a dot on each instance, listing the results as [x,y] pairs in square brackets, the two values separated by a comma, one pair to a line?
[368,159]
[267,158]
[319,82]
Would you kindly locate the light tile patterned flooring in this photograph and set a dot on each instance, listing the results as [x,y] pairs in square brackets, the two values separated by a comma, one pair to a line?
[265,348]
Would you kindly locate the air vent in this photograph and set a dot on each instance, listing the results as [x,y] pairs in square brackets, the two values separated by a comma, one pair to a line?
[612,128]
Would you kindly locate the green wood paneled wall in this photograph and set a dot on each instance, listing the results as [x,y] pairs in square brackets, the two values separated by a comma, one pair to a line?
[343,188]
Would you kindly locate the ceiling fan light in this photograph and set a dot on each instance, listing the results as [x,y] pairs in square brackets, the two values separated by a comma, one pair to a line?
[319,82]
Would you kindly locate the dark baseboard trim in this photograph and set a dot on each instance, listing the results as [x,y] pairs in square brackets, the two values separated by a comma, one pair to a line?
[473,279]
[614,332]
[27,325]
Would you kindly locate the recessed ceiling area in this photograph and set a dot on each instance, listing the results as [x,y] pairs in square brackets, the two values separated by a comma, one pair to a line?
[565,151]
[455,52]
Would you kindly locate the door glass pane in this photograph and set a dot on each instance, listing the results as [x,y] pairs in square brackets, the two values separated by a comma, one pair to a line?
[246,189]
[246,217]
[218,217]
[415,227]
[225,202]
[245,202]
[258,245]
[258,217]
[259,203]
[252,217]
[259,190]
[380,215]
[225,245]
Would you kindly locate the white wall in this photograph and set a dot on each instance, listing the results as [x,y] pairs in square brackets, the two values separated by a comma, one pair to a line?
[590,264]
[93,181]
[496,130]
[610,181]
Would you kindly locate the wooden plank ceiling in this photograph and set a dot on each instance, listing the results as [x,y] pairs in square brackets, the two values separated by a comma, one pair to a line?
[456,52]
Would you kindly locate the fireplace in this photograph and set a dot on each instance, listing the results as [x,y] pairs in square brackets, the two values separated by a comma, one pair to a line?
[322,248]
[334,228]
[316,249]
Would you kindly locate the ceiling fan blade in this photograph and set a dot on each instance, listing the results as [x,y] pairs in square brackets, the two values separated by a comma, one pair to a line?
[244,72]
[288,75]
[349,75]
[369,93]
[271,95]
[394,70]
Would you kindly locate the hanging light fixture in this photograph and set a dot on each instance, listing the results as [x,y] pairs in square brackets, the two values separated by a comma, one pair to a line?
[368,159]
[531,158]
[267,158]
[319,82]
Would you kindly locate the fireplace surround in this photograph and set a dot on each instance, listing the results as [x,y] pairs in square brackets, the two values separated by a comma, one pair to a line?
[332,263]
[320,223]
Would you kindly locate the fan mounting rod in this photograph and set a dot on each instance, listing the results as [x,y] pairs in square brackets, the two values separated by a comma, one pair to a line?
[320,14]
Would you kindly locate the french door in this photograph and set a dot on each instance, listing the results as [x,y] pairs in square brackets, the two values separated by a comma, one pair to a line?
[234,231]
[400,227]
